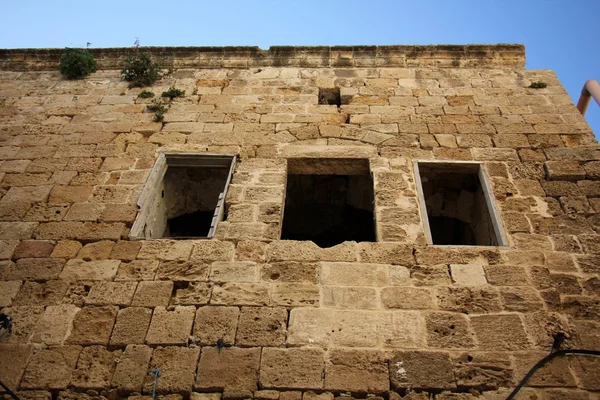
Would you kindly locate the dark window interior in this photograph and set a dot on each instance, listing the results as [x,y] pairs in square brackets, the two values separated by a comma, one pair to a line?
[330,96]
[329,201]
[457,210]
[191,195]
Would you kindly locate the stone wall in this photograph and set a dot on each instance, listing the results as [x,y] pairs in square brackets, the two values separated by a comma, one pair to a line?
[249,315]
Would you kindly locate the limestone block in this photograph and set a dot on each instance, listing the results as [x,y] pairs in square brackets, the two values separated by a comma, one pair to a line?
[51,368]
[556,373]
[406,298]
[131,326]
[215,322]
[386,253]
[261,327]
[309,151]
[125,250]
[19,355]
[448,330]
[95,368]
[506,275]
[467,275]
[177,369]
[42,294]
[310,326]
[295,294]
[7,247]
[93,325]
[107,293]
[132,369]
[520,299]
[212,250]
[24,321]
[293,368]
[96,251]
[483,370]
[171,327]
[39,269]
[84,212]
[53,327]
[152,294]
[352,274]
[291,250]
[137,270]
[168,250]
[350,297]
[77,270]
[500,332]
[242,294]
[290,271]
[229,368]
[422,370]
[8,292]
[250,250]
[27,194]
[33,249]
[70,194]
[66,249]
[357,371]
[234,271]
[468,299]
[192,293]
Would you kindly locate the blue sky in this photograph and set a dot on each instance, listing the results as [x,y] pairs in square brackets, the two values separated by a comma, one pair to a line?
[558,35]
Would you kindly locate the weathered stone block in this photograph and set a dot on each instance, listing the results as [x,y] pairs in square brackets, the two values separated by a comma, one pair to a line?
[448,330]
[352,274]
[289,271]
[19,355]
[51,368]
[132,369]
[350,297]
[171,327]
[234,271]
[131,326]
[261,327]
[33,249]
[38,269]
[166,250]
[500,332]
[406,298]
[357,371]
[192,293]
[53,327]
[138,270]
[294,368]
[107,293]
[152,294]
[44,294]
[93,325]
[556,373]
[8,292]
[95,368]
[229,368]
[468,299]
[483,370]
[295,294]
[242,294]
[214,322]
[467,275]
[422,370]
[178,368]
[181,270]
[80,270]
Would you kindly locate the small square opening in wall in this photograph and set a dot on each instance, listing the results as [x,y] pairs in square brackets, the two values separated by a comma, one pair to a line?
[330,96]
[458,205]
[329,201]
[183,196]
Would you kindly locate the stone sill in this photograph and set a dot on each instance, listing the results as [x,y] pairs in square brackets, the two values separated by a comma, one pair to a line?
[443,56]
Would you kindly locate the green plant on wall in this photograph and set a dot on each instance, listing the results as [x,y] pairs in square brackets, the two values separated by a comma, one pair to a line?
[159,108]
[140,70]
[146,94]
[173,92]
[538,85]
[75,64]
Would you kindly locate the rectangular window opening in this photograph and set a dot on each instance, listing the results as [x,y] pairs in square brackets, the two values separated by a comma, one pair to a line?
[330,96]
[329,201]
[458,205]
[183,196]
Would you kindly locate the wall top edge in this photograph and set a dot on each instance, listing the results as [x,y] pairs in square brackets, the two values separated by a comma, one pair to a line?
[449,56]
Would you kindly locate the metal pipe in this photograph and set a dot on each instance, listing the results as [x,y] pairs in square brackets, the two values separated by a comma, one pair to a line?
[590,89]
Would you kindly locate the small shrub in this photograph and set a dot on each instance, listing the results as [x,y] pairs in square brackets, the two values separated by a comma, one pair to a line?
[159,108]
[172,92]
[146,94]
[75,64]
[538,85]
[140,70]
